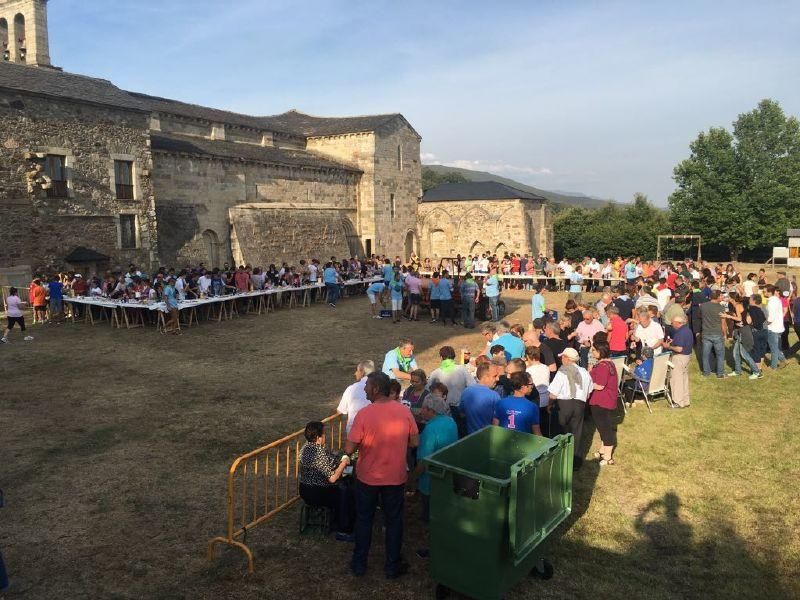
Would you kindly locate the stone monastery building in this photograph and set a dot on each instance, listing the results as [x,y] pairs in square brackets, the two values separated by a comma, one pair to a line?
[94,177]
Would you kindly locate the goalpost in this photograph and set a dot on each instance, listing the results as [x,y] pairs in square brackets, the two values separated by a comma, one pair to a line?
[692,238]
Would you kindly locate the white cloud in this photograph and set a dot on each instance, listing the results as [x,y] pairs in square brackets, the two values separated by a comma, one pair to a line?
[428,158]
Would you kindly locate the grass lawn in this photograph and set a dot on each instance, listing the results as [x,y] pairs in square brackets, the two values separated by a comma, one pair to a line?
[115,446]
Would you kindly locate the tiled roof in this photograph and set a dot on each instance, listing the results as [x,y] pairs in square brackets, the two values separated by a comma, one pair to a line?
[476,190]
[234,150]
[52,82]
[311,126]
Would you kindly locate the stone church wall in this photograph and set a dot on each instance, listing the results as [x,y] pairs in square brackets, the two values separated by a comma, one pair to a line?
[496,226]
[39,231]
[194,196]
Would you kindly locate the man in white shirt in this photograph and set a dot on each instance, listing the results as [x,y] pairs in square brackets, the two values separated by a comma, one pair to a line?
[663,294]
[355,396]
[313,271]
[570,388]
[204,283]
[775,326]
[648,332]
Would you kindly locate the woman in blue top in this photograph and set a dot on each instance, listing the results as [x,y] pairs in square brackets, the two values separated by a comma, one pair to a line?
[396,289]
[435,297]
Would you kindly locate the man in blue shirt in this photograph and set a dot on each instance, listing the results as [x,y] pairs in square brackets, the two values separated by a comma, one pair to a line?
[388,271]
[576,284]
[331,279]
[375,291]
[538,304]
[440,431]
[470,295]
[399,362]
[516,411]
[681,345]
[56,292]
[446,299]
[491,287]
[478,401]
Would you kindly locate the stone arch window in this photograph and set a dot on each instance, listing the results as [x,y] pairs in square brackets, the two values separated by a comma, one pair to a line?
[19,37]
[438,243]
[500,249]
[211,243]
[353,241]
[477,248]
[4,39]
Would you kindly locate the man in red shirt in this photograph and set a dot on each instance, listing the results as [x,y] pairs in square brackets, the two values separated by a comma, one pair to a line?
[382,432]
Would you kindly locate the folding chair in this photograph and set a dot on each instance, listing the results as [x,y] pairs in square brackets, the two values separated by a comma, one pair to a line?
[619,364]
[658,384]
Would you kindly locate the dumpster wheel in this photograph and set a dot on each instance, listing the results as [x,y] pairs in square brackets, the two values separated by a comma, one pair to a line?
[543,570]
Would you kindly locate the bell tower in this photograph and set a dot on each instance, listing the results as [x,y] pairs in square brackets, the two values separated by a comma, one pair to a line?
[23,32]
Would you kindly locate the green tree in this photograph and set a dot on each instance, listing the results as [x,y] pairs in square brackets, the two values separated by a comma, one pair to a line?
[431,178]
[741,190]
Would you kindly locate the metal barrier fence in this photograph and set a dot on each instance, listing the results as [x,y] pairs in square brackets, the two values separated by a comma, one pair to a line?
[264,482]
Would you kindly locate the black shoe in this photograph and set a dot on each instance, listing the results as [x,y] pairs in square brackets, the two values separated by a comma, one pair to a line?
[424,553]
[345,537]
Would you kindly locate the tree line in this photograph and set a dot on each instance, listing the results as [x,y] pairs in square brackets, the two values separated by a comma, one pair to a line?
[738,189]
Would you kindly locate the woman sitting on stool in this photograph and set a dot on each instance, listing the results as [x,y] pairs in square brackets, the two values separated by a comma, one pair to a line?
[320,480]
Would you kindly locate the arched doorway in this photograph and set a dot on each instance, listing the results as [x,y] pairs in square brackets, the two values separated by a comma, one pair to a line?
[211,243]
[501,249]
[411,245]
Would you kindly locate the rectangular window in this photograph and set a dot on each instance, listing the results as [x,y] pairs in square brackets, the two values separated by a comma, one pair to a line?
[127,231]
[56,168]
[391,206]
[369,248]
[123,178]
[400,158]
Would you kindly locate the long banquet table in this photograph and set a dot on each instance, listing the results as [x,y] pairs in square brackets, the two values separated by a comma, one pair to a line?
[140,313]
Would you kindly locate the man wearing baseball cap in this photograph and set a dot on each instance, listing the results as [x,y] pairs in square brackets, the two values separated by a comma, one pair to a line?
[570,388]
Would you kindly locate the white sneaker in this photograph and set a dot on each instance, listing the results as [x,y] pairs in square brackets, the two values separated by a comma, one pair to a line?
[3,340]
[377,317]
[28,338]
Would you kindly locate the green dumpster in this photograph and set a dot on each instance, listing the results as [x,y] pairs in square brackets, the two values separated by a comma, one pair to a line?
[495,496]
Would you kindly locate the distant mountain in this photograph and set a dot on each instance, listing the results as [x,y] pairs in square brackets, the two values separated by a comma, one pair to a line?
[562,198]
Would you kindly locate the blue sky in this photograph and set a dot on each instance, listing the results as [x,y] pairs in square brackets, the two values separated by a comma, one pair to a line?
[595,97]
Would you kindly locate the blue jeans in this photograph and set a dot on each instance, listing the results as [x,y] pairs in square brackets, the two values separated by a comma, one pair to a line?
[716,343]
[759,344]
[391,498]
[739,353]
[494,307]
[333,292]
[776,355]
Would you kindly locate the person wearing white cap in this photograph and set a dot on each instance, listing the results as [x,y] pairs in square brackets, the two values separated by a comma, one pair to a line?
[570,388]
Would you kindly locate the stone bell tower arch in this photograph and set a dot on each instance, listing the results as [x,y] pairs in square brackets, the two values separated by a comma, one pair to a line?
[23,32]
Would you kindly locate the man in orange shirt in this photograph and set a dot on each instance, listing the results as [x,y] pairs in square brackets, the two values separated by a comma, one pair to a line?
[382,432]
[38,296]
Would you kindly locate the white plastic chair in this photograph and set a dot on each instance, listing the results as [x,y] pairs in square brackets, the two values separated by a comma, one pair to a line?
[658,384]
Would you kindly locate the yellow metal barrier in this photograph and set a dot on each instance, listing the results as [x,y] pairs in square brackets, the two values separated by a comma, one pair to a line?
[264,482]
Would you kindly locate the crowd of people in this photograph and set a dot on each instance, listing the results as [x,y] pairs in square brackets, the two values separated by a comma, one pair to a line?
[546,378]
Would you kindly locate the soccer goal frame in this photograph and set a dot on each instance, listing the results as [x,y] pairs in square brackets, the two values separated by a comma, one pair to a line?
[699,239]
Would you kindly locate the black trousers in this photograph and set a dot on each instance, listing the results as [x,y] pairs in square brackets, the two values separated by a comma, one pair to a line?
[446,311]
[602,418]
[570,417]
[338,497]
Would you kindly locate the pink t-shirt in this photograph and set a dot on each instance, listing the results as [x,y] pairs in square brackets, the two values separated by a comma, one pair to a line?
[586,331]
[242,279]
[414,284]
[618,335]
[382,431]
[13,306]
